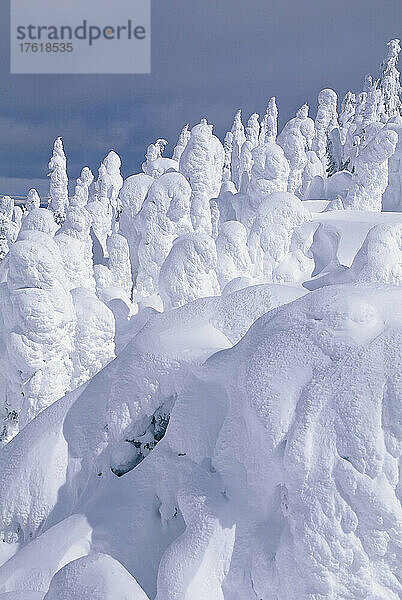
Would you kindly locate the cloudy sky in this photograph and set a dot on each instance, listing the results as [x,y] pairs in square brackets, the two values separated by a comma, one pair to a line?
[209,58]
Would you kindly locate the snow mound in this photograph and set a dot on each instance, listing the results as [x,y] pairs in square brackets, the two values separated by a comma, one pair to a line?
[97,576]
[22,596]
[380,257]
[301,454]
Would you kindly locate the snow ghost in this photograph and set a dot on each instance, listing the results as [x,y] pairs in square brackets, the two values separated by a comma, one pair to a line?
[379,258]
[132,196]
[202,164]
[232,252]
[295,145]
[119,263]
[370,178]
[94,336]
[181,143]
[269,173]
[326,120]
[189,271]
[271,234]
[239,138]
[38,304]
[164,216]
[39,219]
[58,182]
[156,164]
[81,194]
[33,200]
[392,197]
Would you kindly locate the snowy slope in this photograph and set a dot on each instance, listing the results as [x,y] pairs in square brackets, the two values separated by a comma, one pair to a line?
[301,445]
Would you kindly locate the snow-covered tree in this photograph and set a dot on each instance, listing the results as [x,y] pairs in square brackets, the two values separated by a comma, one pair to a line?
[14,226]
[325,122]
[39,219]
[245,165]
[39,325]
[75,243]
[6,207]
[114,182]
[370,177]
[239,138]
[181,143]
[94,336]
[6,215]
[392,197]
[295,145]
[58,182]
[307,128]
[105,205]
[253,129]
[202,164]
[81,193]
[269,173]
[33,199]
[389,83]
[119,263]
[188,272]
[132,195]
[228,148]
[165,214]
[379,258]
[233,259]
[156,164]
[278,215]
[269,124]
[73,255]
[100,208]
[346,115]
[372,105]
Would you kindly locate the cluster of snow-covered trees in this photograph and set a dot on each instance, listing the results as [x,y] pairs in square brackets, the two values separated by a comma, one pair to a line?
[213,218]
[200,365]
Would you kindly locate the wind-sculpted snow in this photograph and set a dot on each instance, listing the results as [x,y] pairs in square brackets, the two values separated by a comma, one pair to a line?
[277,497]
[98,577]
[297,458]
[39,219]
[200,383]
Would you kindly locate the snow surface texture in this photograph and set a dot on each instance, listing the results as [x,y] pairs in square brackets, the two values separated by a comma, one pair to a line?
[200,389]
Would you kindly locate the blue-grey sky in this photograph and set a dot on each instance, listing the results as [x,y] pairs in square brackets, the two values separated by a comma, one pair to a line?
[209,58]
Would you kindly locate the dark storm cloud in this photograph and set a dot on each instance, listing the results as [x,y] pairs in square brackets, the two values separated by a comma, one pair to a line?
[209,58]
